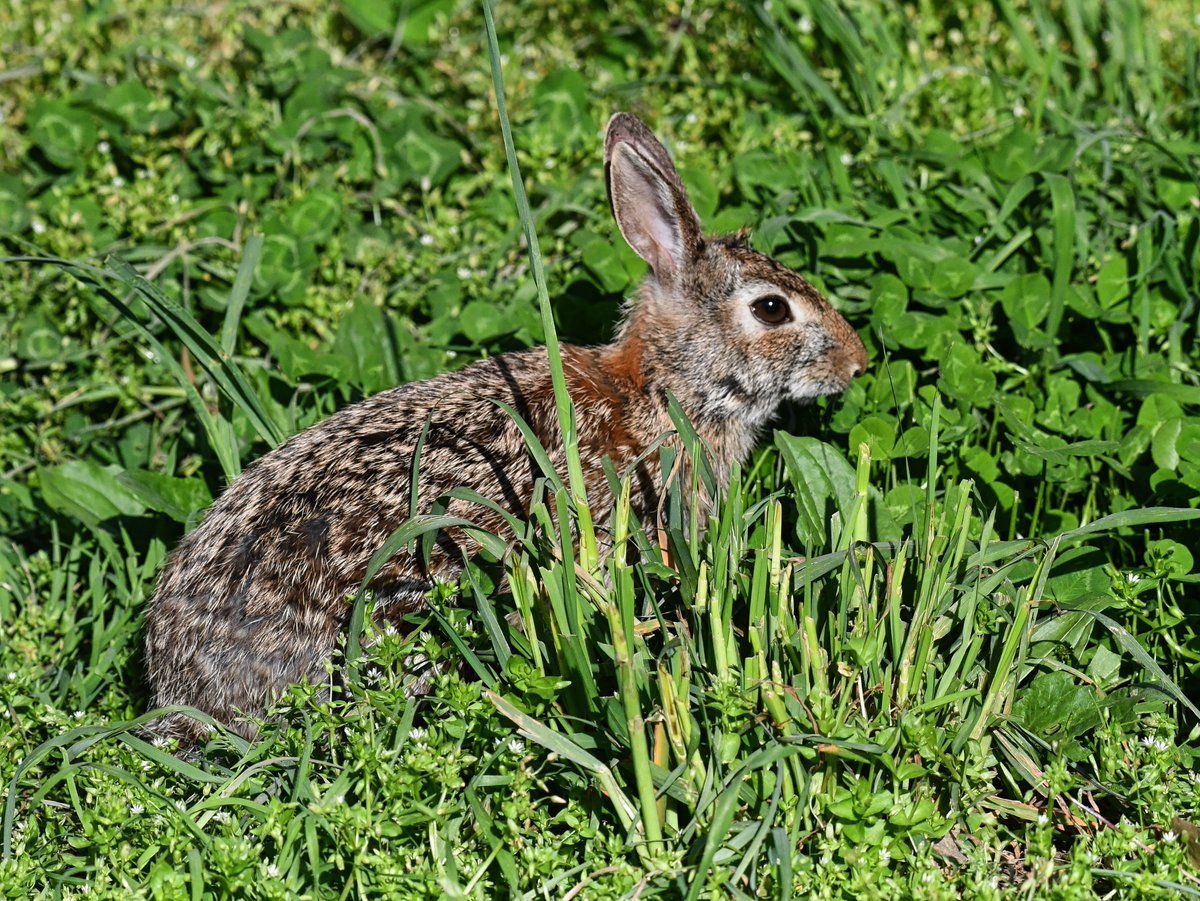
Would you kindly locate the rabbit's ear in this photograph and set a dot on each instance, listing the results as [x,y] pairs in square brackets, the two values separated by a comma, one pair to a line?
[648,199]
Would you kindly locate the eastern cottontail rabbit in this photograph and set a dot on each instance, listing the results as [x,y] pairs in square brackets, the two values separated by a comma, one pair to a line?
[256,596]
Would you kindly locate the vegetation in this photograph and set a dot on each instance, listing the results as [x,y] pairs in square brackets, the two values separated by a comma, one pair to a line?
[937,640]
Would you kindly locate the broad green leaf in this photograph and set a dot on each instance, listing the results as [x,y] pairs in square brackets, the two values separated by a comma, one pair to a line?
[965,378]
[1054,706]
[605,261]
[1169,558]
[934,268]
[1164,447]
[284,269]
[878,433]
[561,98]
[1026,301]
[88,491]
[315,216]
[138,108]
[364,343]
[823,481]
[63,132]
[375,18]
[179,498]
[15,214]
[482,322]
[39,339]
[889,300]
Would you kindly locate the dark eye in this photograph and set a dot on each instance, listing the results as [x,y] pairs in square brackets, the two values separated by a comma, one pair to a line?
[772,310]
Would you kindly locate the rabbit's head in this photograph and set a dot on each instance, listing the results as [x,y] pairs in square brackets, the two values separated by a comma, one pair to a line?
[729,330]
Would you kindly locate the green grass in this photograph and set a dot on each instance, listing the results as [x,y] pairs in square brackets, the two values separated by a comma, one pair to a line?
[938,640]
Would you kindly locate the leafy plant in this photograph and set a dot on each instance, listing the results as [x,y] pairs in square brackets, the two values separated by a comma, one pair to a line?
[934,641]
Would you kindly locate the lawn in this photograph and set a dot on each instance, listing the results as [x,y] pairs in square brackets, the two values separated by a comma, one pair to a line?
[937,640]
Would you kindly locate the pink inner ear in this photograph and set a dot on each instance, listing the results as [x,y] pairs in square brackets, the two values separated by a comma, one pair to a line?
[645,211]
[666,237]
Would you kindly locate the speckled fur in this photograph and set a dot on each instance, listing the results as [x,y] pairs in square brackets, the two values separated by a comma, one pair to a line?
[255,598]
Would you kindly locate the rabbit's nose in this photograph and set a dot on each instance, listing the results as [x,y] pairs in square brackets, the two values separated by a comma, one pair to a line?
[858,360]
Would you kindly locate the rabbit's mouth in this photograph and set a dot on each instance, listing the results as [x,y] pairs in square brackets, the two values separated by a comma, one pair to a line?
[809,386]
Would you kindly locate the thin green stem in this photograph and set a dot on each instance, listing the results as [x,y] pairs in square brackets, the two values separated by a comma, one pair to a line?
[562,400]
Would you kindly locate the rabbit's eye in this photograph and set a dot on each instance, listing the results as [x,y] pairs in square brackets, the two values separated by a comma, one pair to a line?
[772,310]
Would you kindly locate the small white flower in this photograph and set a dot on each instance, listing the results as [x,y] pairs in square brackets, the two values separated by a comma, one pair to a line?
[147,766]
[463,272]
[453,229]
[550,163]
[691,118]
[118,182]
[136,809]
[160,741]
[426,240]
[979,239]
[12,677]
[173,199]
[805,25]
[885,855]
[516,746]
[418,733]
[38,226]
[79,714]
[1169,837]
[846,158]
[451,354]
[181,807]
[1019,110]
[1161,744]
[1132,578]
[103,147]
[273,870]
[927,877]
[1148,741]
[1043,819]
[221,816]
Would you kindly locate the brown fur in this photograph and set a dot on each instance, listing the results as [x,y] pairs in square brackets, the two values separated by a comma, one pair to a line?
[256,597]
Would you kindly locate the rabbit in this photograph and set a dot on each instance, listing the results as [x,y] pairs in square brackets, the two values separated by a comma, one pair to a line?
[256,597]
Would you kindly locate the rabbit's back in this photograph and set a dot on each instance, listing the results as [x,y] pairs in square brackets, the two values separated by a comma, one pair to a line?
[255,597]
